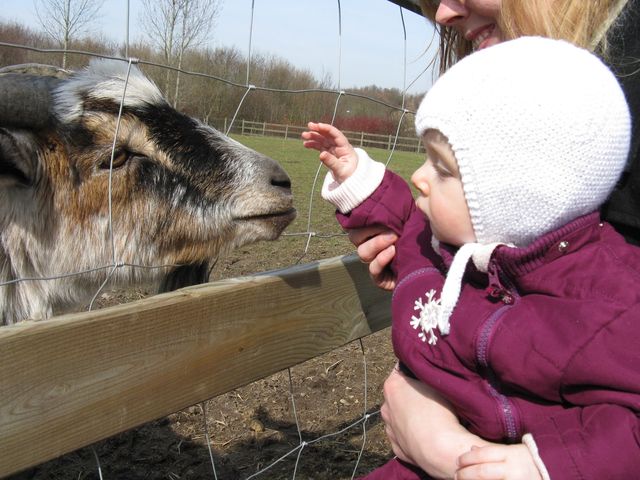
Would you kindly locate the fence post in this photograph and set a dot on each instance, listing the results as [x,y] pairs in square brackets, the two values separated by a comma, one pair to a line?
[375,140]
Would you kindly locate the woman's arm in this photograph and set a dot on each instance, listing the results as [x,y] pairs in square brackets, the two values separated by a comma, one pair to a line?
[423,430]
[422,427]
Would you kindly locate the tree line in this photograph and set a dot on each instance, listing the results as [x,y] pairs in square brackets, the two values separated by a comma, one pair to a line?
[212,100]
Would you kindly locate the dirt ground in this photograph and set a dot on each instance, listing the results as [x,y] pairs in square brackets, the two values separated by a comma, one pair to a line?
[252,427]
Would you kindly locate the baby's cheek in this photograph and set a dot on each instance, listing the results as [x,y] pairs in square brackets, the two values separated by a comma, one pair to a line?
[423,205]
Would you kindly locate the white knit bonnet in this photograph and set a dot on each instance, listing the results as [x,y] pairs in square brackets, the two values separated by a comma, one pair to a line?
[540,129]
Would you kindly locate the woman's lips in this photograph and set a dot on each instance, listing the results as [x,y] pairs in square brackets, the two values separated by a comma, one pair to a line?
[478,38]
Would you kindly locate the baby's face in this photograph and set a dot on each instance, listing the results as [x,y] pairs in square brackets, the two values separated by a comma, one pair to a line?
[441,193]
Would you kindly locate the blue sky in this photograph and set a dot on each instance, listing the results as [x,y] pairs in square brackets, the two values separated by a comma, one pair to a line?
[304,32]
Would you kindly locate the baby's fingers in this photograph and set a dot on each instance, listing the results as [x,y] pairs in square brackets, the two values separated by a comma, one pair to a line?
[482,463]
[336,153]
[332,163]
[313,144]
[327,158]
[331,133]
[482,455]
[482,471]
[317,141]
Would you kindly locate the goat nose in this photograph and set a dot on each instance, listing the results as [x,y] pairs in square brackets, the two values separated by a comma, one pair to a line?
[278,177]
[283,182]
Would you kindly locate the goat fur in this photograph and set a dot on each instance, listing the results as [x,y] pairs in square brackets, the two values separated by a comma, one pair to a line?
[167,190]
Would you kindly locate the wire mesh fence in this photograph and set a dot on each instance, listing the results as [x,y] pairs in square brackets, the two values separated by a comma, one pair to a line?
[263,421]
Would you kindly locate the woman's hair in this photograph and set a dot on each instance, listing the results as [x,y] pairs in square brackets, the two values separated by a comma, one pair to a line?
[583,23]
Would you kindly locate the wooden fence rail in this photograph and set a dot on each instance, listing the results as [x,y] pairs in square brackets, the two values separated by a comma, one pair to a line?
[357,139]
[73,380]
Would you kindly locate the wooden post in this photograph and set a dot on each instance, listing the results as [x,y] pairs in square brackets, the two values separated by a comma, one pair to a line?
[76,379]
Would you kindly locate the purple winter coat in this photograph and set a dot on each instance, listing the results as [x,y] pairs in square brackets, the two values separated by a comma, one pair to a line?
[546,343]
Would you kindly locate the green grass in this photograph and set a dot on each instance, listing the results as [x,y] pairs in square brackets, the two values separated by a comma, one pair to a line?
[302,164]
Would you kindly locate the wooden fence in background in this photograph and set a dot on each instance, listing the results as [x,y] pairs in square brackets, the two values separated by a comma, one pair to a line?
[357,139]
[73,380]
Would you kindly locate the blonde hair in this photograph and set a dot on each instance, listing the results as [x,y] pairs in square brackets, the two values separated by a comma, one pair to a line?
[583,23]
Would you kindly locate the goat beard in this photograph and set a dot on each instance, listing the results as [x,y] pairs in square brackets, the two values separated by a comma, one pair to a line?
[186,275]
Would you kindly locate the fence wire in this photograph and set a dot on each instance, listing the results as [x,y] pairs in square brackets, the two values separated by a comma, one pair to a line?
[309,233]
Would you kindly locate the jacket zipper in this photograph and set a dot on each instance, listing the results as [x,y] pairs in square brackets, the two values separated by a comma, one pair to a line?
[507,409]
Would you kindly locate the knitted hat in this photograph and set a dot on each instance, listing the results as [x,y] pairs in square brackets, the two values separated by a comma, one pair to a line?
[540,129]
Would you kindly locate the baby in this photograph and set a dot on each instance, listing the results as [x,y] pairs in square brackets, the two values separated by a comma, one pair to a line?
[513,301]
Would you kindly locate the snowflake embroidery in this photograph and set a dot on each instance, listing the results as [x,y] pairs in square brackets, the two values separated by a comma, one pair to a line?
[428,318]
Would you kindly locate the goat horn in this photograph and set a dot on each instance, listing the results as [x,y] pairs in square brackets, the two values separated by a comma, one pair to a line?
[25,94]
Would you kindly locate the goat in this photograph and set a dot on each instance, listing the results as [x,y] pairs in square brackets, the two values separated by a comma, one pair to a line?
[172,192]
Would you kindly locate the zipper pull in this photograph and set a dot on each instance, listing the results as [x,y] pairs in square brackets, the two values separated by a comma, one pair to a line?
[499,294]
[496,291]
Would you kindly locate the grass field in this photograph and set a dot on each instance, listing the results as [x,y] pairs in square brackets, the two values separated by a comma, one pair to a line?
[301,165]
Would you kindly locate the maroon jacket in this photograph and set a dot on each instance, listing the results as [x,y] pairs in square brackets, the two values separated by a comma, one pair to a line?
[546,343]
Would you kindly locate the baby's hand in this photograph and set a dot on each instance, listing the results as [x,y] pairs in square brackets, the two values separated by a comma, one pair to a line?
[497,462]
[336,152]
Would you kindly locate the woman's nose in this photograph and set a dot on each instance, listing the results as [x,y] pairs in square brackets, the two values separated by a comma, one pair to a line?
[451,12]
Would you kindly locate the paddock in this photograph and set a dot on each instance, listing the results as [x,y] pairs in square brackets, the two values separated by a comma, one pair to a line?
[73,381]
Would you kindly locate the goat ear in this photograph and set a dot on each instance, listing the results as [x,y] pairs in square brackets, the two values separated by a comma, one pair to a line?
[17,159]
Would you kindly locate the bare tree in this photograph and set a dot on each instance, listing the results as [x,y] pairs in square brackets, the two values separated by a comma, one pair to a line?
[176,26]
[62,20]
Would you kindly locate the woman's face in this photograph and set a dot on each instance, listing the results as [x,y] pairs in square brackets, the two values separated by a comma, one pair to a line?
[476,20]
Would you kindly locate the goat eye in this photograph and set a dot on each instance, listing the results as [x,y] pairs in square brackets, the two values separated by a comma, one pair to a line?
[120,158]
